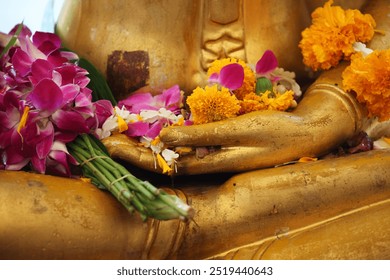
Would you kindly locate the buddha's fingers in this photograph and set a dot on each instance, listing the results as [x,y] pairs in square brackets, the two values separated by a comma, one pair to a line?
[253,129]
[223,159]
[130,150]
[233,159]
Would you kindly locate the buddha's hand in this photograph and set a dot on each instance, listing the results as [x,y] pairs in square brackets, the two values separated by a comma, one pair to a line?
[323,120]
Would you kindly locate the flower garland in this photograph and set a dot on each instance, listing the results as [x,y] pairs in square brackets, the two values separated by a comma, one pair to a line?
[333,35]
[337,34]
[368,78]
[234,89]
[48,122]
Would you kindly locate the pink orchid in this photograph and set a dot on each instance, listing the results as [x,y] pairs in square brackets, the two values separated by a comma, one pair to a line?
[44,104]
[266,64]
[231,76]
[145,103]
[170,99]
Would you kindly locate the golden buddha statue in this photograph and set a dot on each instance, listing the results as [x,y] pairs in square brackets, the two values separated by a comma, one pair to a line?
[328,209]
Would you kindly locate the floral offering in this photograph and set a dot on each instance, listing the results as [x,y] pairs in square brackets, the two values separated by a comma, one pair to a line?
[44,104]
[48,122]
[234,89]
[368,78]
[333,35]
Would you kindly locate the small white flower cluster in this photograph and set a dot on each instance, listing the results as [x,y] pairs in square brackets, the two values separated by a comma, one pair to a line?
[112,122]
[117,123]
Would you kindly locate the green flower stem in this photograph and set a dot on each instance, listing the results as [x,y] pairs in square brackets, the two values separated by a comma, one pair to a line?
[117,169]
[130,191]
[118,188]
[117,192]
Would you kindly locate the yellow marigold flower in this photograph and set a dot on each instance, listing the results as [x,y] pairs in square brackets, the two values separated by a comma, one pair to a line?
[279,102]
[267,101]
[210,104]
[252,102]
[332,34]
[368,78]
[248,84]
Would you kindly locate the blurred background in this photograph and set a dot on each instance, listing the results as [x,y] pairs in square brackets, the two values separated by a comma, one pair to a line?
[38,15]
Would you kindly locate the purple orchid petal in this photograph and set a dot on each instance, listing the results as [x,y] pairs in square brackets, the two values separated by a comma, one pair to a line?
[65,136]
[231,76]
[69,55]
[170,98]
[28,47]
[267,63]
[83,100]
[39,164]
[46,96]
[103,109]
[14,160]
[214,78]
[70,92]
[10,118]
[56,59]
[6,138]
[81,80]
[58,162]
[137,129]
[46,42]
[46,136]
[22,62]
[68,73]
[70,121]
[135,103]
[154,130]
[25,32]
[40,69]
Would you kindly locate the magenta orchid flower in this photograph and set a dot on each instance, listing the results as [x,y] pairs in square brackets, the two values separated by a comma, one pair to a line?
[231,76]
[44,104]
[266,64]
[170,99]
[156,111]
[269,74]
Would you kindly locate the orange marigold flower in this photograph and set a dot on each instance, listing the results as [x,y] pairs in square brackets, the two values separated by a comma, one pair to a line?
[211,104]
[267,101]
[248,84]
[368,78]
[332,34]
[279,102]
[251,102]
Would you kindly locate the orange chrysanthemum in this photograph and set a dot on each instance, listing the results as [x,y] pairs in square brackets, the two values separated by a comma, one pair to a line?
[267,101]
[368,78]
[252,102]
[248,84]
[279,102]
[331,36]
[211,104]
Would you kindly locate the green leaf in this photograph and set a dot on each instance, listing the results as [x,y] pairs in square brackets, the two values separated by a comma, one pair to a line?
[12,41]
[98,84]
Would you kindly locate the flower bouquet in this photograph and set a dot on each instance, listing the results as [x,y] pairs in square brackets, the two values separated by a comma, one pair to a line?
[336,35]
[49,123]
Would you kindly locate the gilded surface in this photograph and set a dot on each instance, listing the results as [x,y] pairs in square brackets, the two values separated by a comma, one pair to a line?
[329,209]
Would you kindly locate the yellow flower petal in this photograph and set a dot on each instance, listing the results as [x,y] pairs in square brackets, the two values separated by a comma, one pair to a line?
[367,78]
[23,120]
[307,159]
[210,104]
[122,125]
[164,165]
[333,32]
[86,180]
